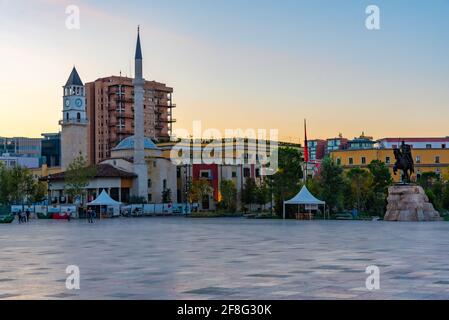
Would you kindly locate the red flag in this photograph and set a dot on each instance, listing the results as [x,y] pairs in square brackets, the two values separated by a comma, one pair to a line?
[306,148]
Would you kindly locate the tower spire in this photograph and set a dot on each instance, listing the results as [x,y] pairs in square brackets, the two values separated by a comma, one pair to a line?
[138,47]
[140,165]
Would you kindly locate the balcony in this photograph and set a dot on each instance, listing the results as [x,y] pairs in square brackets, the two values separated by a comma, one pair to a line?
[124,99]
[124,131]
[125,115]
[166,106]
[166,120]
[116,91]
[66,122]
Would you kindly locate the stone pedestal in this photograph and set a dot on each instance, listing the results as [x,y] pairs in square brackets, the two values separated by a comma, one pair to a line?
[409,203]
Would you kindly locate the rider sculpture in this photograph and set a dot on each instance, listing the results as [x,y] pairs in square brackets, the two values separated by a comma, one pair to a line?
[404,162]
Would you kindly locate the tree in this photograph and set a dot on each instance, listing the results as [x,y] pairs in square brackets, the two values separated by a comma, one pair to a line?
[381,181]
[262,194]
[434,188]
[17,185]
[229,195]
[381,176]
[445,201]
[77,177]
[39,192]
[360,181]
[248,195]
[331,183]
[5,185]
[200,189]
[427,179]
[286,182]
[166,196]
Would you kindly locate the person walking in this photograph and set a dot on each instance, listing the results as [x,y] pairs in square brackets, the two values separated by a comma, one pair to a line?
[90,215]
[27,215]
[22,216]
[19,216]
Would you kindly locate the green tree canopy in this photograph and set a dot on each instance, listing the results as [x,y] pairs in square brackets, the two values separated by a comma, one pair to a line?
[228,192]
[199,189]
[248,195]
[17,185]
[360,182]
[77,177]
[286,182]
[381,176]
[330,179]
[262,194]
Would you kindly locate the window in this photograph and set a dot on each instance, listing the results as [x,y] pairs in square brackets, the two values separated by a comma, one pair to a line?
[339,161]
[257,173]
[246,172]
[205,174]
[428,146]
[351,161]
[443,146]
[437,159]
[78,117]
[149,183]
[363,160]
[418,159]
[387,160]
[234,174]
[164,184]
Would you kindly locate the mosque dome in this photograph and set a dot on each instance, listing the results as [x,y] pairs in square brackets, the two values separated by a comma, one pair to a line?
[128,144]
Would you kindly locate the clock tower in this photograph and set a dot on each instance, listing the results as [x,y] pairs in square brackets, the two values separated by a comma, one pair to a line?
[74,122]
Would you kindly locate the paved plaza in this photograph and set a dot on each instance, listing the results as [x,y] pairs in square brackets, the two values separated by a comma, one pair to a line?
[235,258]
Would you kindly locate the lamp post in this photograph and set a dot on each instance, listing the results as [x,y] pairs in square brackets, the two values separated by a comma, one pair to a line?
[271,193]
[48,192]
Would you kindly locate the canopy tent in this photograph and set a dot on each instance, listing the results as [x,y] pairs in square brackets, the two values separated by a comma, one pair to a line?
[104,200]
[304,197]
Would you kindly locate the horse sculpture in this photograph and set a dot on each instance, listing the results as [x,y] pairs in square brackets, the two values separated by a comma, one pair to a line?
[404,162]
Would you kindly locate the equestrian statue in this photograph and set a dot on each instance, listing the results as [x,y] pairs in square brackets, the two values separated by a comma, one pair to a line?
[404,162]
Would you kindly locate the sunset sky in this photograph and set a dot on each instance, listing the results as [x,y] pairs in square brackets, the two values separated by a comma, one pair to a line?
[239,63]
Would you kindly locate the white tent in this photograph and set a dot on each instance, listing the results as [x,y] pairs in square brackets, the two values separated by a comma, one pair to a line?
[304,197]
[104,200]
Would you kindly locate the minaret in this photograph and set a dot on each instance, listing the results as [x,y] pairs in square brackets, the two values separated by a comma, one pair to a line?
[140,165]
[74,137]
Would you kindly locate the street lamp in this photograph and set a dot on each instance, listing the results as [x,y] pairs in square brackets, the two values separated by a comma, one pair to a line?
[48,192]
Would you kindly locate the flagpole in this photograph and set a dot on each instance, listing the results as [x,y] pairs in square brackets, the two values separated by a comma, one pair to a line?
[306,152]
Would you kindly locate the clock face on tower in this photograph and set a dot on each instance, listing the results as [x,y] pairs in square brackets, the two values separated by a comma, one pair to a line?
[78,102]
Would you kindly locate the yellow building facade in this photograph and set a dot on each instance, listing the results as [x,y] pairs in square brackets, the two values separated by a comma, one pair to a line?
[426,160]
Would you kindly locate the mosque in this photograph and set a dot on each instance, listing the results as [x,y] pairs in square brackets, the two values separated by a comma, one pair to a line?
[135,168]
